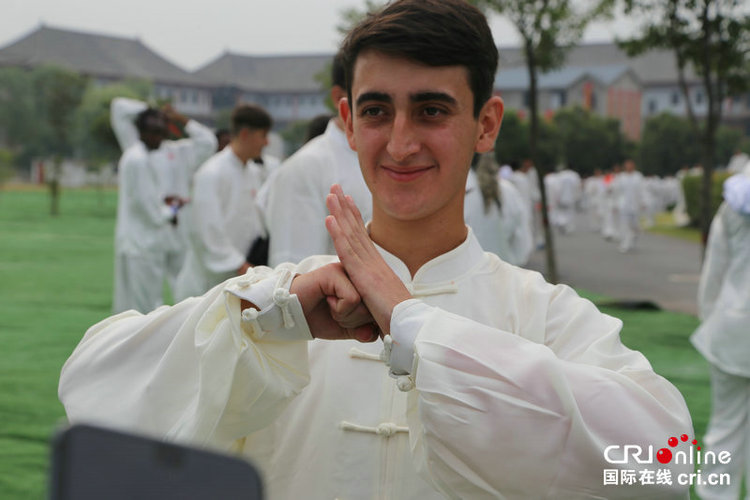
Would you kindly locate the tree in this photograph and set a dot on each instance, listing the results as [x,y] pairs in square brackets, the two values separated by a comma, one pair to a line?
[668,143]
[59,92]
[513,141]
[588,141]
[711,37]
[548,28]
[92,135]
[17,103]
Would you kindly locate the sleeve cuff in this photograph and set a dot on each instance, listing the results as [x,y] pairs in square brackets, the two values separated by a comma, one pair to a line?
[279,317]
[407,320]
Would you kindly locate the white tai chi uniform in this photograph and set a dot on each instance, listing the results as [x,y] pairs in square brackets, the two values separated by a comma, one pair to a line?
[722,338]
[225,222]
[505,231]
[148,248]
[294,197]
[629,190]
[566,200]
[593,197]
[504,386]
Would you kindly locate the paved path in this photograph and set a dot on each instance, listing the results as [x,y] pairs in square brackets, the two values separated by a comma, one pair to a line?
[661,269]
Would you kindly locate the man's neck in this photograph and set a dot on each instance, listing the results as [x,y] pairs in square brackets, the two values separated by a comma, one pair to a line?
[238,152]
[416,242]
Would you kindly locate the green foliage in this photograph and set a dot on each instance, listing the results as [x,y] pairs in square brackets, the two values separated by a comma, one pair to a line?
[17,107]
[588,141]
[728,140]
[577,137]
[691,185]
[668,143]
[350,17]
[294,136]
[92,135]
[58,93]
[6,166]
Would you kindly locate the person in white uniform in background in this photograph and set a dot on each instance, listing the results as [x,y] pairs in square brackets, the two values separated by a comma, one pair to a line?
[568,189]
[722,338]
[629,191]
[497,213]
[497,384]
[225,219]
[294,198]
[593,197]
[153,175]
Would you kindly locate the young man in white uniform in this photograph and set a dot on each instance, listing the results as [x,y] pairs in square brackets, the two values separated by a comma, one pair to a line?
[501,221]
[629,190]
[294,198]
[502,386]
[722,338]
[154,177]
[225,218]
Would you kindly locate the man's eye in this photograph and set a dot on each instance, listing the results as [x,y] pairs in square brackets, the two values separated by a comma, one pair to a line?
[372,111]
[432,111]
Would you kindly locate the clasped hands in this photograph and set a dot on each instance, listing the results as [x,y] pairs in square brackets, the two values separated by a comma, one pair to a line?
[353,298]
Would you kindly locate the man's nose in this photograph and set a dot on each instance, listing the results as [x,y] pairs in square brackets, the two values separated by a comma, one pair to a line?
[404,140]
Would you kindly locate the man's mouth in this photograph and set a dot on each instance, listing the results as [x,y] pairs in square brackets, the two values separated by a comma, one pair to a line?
[406,174]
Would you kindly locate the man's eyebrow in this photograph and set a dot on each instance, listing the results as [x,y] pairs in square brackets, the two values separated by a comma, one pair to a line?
[433,96]
[373,96]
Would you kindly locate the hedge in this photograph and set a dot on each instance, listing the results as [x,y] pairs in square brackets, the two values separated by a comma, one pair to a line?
[691,186]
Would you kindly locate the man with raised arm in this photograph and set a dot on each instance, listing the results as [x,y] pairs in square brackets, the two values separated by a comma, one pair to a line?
[496,384]
[154,177]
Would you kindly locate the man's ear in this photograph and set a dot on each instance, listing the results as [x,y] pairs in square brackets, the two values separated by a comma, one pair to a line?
[490,119]
[346,116]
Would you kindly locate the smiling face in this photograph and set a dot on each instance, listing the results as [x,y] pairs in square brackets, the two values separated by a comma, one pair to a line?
[415,132]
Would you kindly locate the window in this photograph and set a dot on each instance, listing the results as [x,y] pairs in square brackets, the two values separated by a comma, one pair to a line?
[652,106]
[699,96]
[675,98]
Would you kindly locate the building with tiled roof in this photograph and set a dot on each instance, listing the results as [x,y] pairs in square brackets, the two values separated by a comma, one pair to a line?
[108,59]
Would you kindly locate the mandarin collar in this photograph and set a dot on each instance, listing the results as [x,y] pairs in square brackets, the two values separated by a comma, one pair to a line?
[441,271]
[337,135]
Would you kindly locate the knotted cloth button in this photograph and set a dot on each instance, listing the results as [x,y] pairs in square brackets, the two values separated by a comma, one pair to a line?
[282,297]
[386,429]
[250,314]
[404,383]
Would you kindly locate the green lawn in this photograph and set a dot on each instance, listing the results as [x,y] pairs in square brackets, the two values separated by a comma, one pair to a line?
[56,281]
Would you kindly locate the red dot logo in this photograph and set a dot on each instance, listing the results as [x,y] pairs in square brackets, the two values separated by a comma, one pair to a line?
[685,437]
[664,455]
[672,442]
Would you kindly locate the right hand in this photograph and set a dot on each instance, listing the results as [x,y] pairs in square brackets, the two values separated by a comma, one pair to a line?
[332,306]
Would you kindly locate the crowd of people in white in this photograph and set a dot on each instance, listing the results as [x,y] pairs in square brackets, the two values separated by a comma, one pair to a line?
[229,201]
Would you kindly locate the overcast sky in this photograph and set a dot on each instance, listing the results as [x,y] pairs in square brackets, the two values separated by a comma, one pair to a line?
[192,33]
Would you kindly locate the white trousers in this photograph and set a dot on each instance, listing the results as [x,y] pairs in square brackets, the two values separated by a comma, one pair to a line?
[139,280]
[728,430]
[629,228]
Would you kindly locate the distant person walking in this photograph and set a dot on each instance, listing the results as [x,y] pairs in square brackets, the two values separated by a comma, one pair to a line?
[154,176]
[723,336]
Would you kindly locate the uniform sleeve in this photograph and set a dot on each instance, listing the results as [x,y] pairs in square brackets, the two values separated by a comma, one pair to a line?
[123,112]
[138,185]
[197,147]
[494,415]
[519,220]
[295,211]
[714,266]
[216,250]
[201,372]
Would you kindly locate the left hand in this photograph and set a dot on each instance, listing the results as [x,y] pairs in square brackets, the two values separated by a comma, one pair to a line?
[381,290]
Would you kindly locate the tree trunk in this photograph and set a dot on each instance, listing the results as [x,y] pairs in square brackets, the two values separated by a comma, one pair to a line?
[549,248]
[54,187]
